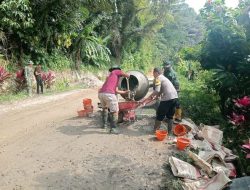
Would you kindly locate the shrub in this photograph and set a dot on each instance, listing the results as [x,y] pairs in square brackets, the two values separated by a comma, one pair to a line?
[237,133]
[3,75]
[198,101]
[48,79]
[57,61]
[20,80]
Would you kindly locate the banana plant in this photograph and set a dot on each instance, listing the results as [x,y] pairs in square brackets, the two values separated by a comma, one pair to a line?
[88,45]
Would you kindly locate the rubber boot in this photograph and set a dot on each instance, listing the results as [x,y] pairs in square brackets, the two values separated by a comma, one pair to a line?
[104,118]
[157,125]
[177,115]
[170,126]
[113,123]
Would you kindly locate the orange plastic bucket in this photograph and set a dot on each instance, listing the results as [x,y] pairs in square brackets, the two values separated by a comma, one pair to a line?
[161,134]
[87,102]
[182,143]
[180,130]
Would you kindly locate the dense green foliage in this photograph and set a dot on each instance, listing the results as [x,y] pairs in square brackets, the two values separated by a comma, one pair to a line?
[224,54]
[81,31]
[225,51]
[184,30]
[199,102]
[64,34]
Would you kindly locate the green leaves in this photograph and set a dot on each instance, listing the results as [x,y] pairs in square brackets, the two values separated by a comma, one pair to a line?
[225,51]
[15,14]
[197,100]
[90,31]
[95,50]
[190,32]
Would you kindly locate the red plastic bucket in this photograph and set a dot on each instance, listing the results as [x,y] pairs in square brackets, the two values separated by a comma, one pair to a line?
[180,130]
[161,134]
[87,102]
[182,143]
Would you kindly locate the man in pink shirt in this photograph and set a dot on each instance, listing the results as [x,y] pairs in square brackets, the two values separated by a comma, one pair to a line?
[107,96]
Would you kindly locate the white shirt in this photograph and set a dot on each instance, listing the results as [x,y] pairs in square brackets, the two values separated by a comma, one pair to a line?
[164,86]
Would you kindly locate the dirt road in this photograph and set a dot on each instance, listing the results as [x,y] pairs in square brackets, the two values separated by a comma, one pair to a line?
[43,145]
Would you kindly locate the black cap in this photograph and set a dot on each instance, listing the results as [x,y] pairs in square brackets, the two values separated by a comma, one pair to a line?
[114,67]
[157,70]
[167,64]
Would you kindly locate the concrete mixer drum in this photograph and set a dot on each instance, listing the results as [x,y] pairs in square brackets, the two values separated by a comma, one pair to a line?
[138,85]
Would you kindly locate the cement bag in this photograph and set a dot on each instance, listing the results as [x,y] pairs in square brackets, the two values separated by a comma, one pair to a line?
[182,169]
[218,182]
[212,134]
[208,156]
[201,145]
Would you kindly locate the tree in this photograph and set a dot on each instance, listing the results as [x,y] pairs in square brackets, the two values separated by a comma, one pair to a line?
[225,49]
[242,15]
[134,20]
[189,27]
[83,30]
[39,28]
[15,19]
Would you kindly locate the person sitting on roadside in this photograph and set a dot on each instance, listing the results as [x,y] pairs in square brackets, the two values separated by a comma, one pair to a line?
[109,100]
[162,87]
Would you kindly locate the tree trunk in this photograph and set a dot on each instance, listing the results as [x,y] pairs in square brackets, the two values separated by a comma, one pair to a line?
[117,45]
[78,58]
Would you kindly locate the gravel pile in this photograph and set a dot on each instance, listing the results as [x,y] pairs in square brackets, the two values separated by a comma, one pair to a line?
[91,81]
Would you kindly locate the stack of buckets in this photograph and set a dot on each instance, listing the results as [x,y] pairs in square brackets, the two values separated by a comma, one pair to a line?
[182,142]
[179,130]
[88,108]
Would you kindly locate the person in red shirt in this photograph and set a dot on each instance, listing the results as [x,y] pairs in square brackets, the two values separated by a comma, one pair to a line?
[108,98]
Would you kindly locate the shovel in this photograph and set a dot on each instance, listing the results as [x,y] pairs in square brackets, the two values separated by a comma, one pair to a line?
[129,96]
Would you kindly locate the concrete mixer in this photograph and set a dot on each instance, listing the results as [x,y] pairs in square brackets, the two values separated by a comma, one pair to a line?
[138,84]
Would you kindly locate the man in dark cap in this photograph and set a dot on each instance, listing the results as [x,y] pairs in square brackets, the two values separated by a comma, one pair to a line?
[171,75]
[164,88]
[109,101]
